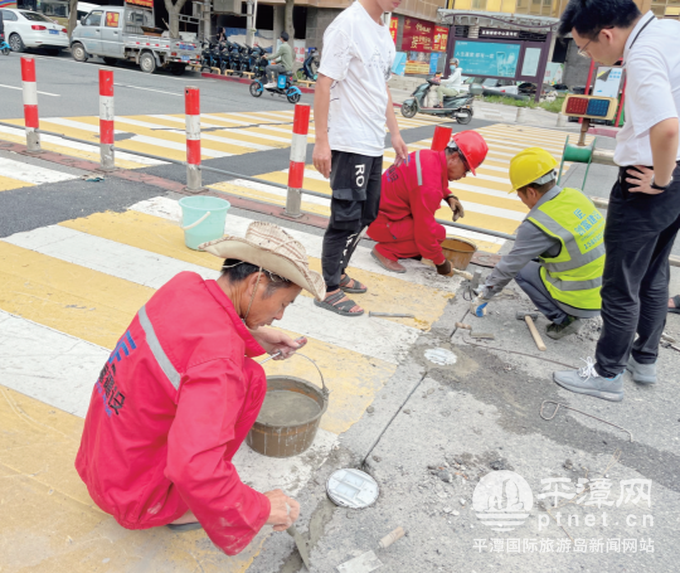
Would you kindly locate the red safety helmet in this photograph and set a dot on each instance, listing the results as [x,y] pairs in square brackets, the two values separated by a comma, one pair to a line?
[471,146]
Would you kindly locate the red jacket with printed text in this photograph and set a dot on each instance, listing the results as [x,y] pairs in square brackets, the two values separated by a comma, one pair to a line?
[159,432]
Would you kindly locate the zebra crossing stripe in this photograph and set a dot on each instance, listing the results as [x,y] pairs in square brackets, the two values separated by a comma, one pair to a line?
[32,174]
[76,149]
[80,292]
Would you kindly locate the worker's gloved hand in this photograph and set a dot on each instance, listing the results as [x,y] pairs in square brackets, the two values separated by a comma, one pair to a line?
[284,510]
[444,268]
[478,306]
[456,208]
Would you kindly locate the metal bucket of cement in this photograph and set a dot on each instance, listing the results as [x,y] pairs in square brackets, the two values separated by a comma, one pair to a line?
[290,416]
[458,252]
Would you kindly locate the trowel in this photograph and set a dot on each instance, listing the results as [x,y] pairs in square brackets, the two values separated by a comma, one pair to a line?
[301,545]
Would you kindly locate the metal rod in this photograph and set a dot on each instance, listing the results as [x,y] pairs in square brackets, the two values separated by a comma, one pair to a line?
[390,314]
[559,404]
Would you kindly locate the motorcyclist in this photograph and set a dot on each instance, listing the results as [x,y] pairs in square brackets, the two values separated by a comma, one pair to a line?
[285,56]
[451,85]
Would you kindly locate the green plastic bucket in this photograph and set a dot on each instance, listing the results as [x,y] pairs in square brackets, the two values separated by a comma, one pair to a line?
[203,219]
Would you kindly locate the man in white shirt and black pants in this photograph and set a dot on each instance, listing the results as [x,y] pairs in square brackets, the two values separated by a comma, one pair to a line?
[643,216]
[352,105]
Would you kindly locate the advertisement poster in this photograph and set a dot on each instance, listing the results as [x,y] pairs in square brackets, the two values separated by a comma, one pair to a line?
[434,59]
[423,41]
[553,73]
[145,3]
[608,81]
[441,37]
[394,27]
[112,19]
[417,63]
[399,65]
[418,36]
[488,58]
[532,57]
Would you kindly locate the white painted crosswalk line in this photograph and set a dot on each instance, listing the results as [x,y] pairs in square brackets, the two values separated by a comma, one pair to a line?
[60,370]
[92,149]
[30,173]
[73,124]
[48,365]
[148,269]
[278,191]
[106,256]
[164,143]
[167,208]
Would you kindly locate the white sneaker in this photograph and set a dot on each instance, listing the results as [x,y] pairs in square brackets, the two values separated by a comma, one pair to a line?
[269,85]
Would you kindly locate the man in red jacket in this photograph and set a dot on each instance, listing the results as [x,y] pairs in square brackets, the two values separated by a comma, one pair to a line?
[411,195]
[180,391]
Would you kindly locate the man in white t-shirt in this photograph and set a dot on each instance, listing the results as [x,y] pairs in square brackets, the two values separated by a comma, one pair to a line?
[643,215]
[352,104]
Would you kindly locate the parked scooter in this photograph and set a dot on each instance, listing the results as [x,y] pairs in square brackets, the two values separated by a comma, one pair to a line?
[456,107]
[4,46]
[309,68]
[258,62]
[284,88]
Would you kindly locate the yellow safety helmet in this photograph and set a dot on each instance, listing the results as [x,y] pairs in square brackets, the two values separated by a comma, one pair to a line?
[532,165]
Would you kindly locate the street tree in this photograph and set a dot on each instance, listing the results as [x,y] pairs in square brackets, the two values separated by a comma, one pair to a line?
[174,9]
[72,16]
[288,21]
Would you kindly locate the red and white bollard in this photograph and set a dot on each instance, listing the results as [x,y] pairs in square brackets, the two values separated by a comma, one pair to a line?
[106,120]
[298,157]
[30,91]
[192,108]
[441,138]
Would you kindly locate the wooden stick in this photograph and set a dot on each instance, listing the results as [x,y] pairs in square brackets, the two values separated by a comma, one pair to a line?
[534,333]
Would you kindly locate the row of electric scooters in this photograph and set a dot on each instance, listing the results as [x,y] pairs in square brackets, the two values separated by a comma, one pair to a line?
[238,58]
[233,56]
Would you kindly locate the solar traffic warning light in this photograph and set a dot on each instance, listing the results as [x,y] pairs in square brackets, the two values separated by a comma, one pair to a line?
[591,107]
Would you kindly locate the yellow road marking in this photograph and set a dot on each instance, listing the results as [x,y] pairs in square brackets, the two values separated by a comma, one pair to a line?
[51,524]
[7,183]
[157,235]
[69,298]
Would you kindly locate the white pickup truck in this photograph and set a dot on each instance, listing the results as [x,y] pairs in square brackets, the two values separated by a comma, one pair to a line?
[118,33]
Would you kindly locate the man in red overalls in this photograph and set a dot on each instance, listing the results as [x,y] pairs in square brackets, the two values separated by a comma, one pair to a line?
[411,195]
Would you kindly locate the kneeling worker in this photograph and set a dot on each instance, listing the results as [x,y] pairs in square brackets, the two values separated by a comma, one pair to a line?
[564,230]
[410,196]
[180,392]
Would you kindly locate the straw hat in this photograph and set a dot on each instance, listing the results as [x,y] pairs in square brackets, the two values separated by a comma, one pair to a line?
[268,246]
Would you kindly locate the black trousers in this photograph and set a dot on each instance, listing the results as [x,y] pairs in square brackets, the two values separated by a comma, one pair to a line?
[638,239]
[355,184]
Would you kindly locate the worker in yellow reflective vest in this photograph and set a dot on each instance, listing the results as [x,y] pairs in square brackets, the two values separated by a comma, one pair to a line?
[564,232]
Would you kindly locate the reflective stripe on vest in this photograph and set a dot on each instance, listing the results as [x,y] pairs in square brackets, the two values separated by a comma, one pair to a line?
[577,259]
[574,276]
[157,350]
[573,285]
[419,169]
